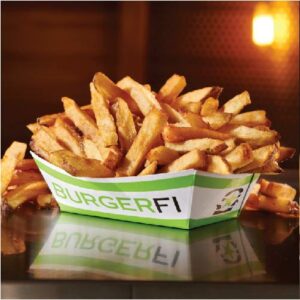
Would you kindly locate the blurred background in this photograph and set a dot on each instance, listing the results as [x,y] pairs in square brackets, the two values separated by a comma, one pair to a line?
[52,49]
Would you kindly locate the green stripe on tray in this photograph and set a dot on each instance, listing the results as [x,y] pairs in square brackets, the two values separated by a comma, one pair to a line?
[146,186]
[178,223]
[104,265]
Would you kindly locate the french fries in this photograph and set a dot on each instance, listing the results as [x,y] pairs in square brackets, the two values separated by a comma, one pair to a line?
[217,164]
[104,119]
[171,89]
[251,118]
[162,155]
[25,177]
[79,166]
[150,169]
[211,146]
[209,107]
[217,119]
[12,156]
[144,99]
[237,103]
[27,164]
[125,124]
[239,157]
[151,129]
[180,134]
[25,192]
[194,159]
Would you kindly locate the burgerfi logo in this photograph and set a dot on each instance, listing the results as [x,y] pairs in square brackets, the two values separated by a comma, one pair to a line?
[133,204]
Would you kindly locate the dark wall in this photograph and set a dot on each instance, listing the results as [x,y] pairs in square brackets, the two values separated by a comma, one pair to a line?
[52,49]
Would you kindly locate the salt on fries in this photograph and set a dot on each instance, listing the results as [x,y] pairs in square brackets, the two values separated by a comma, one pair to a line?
[130,130]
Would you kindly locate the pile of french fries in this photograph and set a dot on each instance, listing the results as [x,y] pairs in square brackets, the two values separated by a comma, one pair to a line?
[21,180]
[273,197]
[130,130]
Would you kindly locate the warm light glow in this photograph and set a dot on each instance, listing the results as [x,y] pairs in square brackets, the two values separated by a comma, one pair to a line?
[263,30]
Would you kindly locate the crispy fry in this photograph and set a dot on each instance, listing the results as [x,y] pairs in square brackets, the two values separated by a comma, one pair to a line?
[198,96]
[171,89]
[211,146]
[91,150]
[150,169]
[144,99]
[21,177]
[260,157]
[240,156]
[27,164]
[217,164]
[194,120]
[271,167]
[25,192]
[194,159]
[251,118]
[237,103]
[162,155]
[173,115]
[79,166]
[272,204]
[104,119]
[125,124]
[12,156]
[147,86]
[33,127]
[255,137]
[209,107]
[193,107]
[277,190]
[111,91]
[230,143]
[179,134]
[217,119]
[148,134]
[68,136]
[285,153]
[46,200]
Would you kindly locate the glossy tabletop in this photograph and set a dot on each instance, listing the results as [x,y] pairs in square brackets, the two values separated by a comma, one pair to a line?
[47,254]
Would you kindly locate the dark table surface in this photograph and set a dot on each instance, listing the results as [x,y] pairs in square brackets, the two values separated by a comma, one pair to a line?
[47,254]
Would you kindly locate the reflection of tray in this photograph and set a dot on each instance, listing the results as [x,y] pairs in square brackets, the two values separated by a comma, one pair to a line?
[185,199]
[98,248]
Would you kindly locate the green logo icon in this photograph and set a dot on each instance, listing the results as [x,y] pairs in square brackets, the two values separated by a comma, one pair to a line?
[229,201]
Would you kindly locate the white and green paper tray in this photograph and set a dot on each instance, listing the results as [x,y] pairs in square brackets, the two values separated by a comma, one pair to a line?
[185,199]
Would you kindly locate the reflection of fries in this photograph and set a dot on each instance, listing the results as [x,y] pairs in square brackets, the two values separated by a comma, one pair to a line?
[13,155]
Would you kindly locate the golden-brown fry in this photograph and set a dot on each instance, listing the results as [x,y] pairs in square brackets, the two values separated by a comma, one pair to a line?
[162,155]
[146,137]
[144,99]
[230,143]
[111,91]
[150,169]
[237,103]
[271,167]
[194,120]
[211,146]
[172,88]
[82,120]
[33,127]
[198,96]
[46,200]
[260,157]
[147,86]
[68,136]
[173,115]
[240,156]
[111,156]
[217,119]
[27,164]
[193,107]
[273,204]
[194,159]
[210,106]
[285,153]
[255,137]
[125,124]
[277,190]
[91,150]
[12,156]
[25,192]
[21,177]
[251,118]
[179,134]
[79,166]
[217,164]
[104,119]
